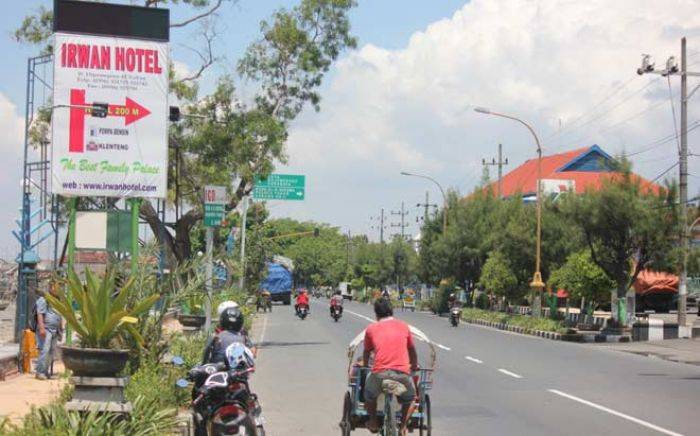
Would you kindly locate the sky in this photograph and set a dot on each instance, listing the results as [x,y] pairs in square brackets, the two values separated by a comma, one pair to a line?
[404,99]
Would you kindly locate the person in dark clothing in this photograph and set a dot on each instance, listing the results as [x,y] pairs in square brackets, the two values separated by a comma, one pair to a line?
[230,330]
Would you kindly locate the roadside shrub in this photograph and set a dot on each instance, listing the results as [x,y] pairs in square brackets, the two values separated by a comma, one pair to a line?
[439,301]
[524,321]
[154,381]
[146,419]
[482,302]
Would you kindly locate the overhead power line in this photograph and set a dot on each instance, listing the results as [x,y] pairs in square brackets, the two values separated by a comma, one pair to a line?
[665,172]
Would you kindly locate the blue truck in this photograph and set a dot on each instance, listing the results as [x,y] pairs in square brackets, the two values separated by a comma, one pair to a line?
[278,282]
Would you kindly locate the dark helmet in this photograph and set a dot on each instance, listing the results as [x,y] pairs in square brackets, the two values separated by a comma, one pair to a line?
[337,292]
[231,319]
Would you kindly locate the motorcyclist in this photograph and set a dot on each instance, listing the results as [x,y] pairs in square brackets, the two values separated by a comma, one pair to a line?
[225,305]
[451,300]
[336,301]
[302,299]
[229,331]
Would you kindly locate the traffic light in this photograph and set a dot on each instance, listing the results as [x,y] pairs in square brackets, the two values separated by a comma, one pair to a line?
[174,114]
[99,110]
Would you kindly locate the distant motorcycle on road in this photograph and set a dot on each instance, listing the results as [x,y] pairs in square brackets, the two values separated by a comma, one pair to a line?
[336,312]
[455,315]
[303,311]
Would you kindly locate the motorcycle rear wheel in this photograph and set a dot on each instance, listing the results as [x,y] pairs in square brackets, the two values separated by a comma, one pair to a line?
[248,426]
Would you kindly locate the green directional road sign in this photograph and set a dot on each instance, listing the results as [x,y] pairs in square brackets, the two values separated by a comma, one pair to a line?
[280,187]
[214,205]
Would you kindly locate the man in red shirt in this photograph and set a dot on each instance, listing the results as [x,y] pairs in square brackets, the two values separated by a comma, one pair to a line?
[395,357]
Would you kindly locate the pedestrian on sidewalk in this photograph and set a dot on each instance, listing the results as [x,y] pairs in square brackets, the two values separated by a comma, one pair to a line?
[49,329]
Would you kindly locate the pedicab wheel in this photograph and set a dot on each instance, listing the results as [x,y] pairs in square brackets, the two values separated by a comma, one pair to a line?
[347,410]
[426,422]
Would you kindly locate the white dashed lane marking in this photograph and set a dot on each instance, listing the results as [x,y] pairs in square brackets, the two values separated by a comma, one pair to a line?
[512,374]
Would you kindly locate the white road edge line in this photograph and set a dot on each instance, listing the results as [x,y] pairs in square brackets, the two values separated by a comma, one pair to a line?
[512,374]
[616,413]
[373,320]
[261,339]
[473,359]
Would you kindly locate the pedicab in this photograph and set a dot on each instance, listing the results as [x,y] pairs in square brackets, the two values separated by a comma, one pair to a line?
[408,300]
[388,410]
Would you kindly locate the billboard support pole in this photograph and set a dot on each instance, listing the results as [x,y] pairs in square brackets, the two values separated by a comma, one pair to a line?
[72,206]
[135,205]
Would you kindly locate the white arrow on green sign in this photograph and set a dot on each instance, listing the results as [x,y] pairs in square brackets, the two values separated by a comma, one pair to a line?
[280,187]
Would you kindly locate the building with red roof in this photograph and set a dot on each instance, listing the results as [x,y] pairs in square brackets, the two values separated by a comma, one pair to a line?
[576,170]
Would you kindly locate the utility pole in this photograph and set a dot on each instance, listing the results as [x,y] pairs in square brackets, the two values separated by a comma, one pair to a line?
[683,191]
[672,70]
[402,216]
[426,206]
[244,212]
[500,163]
[380,226]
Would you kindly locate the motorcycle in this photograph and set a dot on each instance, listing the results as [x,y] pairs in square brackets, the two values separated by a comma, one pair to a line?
[336,312]
[455,314]
[222,402]
[263,302]
[303,311]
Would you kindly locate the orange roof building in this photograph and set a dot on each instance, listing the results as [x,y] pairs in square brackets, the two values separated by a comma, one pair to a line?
[575,170]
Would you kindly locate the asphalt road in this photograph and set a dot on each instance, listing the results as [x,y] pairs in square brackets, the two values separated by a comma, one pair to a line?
[487,382]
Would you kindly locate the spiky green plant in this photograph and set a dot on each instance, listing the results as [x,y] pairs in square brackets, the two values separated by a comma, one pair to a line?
[103,309]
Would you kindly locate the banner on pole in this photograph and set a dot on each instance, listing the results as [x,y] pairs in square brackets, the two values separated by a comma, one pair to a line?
[122,152]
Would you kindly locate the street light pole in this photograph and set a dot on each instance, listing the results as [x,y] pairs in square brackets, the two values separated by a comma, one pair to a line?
[537,284]
[442,191]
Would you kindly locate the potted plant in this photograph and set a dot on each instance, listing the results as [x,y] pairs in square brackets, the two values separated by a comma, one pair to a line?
[192,313]
[103,313]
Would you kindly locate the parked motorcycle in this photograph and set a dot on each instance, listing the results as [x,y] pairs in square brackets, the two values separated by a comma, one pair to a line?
[455,314]
[303,311]
[336,312]
[222,402]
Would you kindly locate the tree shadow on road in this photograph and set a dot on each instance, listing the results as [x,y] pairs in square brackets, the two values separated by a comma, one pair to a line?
[272,344]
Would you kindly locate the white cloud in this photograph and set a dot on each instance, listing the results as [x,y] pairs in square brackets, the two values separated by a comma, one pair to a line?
[11,147]
[182,70]
[546,61]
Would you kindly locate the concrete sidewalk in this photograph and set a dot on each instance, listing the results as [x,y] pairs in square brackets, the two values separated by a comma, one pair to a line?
[674,350]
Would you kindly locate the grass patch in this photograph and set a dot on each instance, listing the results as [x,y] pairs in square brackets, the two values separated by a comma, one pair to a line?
[525,321]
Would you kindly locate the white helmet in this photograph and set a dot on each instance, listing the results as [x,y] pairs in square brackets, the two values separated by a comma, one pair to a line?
[239,357]
[225,305]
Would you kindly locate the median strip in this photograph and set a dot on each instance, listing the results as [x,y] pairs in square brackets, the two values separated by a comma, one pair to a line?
[615,412]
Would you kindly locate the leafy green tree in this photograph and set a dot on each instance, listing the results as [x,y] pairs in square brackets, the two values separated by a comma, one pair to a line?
[498,278]
[582,279]
[628,227]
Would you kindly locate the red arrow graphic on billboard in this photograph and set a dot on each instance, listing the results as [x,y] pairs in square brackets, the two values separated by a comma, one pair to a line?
[131,111]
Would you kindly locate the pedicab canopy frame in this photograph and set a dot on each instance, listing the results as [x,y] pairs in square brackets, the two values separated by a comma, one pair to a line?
[418,334]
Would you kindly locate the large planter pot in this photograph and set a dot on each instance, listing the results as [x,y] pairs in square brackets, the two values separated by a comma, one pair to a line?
[94,362]
[191,320]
